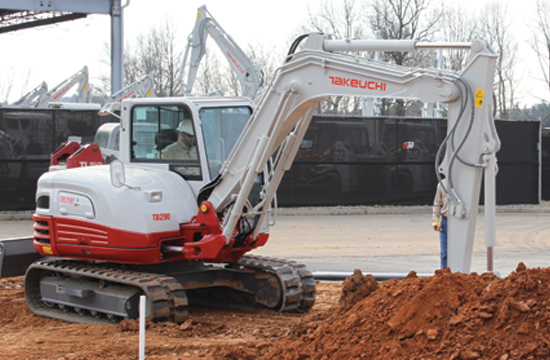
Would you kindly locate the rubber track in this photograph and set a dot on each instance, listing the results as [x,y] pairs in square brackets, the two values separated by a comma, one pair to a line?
[166,297]
[298,283]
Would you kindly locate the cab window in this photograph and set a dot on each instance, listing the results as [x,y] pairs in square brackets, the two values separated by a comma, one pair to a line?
[165,134]
[221,128]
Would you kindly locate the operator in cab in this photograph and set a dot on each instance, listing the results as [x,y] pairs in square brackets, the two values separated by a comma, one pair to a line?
[184,148]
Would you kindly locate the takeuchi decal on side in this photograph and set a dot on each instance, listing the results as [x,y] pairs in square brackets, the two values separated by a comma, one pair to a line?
[235,62]
[357,83]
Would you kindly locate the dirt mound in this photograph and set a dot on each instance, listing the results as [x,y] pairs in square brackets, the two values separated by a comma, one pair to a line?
[355,288]
[446,316]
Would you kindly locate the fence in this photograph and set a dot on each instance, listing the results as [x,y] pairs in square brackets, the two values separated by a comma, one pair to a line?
[342,160]
[27,138]
[365,161]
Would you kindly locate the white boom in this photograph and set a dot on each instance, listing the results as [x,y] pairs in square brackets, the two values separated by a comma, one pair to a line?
[248,73]
[144,87]
[274,133]
[80,79]
[33,97]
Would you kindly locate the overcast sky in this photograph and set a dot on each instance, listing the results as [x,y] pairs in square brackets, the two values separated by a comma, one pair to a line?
[53,53]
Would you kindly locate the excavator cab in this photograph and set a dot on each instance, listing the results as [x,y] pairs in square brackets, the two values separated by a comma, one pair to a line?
[157,135]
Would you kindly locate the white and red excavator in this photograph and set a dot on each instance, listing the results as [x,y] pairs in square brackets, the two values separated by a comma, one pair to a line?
[32,98]
[247,72]
[179,231]
[40,97]
[144,87]
[52,99]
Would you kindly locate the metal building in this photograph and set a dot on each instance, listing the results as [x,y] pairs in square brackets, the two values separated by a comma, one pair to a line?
[24,14]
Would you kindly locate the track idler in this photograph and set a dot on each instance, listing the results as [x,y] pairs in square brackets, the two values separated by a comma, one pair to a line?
[284,286]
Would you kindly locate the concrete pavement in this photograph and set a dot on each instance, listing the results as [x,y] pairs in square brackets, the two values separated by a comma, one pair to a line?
[402,242]
[385,239]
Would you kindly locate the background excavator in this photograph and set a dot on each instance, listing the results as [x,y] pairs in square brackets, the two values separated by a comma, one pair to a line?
[179,231]
[32,98]
[52,98]
[144,87]
[247,72]
[41,98]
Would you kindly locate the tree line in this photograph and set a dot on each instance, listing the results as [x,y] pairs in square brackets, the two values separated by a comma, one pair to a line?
[159,50]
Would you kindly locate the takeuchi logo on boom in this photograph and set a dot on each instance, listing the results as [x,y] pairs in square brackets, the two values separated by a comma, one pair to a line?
[356,83]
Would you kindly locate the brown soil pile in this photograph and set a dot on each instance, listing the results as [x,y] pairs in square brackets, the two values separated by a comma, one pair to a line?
[446,316]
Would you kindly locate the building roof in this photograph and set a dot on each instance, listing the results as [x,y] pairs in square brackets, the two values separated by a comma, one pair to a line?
[11,20]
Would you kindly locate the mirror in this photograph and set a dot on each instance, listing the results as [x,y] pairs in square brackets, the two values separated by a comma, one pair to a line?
[118,178]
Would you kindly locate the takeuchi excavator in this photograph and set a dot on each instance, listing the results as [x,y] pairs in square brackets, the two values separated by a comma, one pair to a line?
[144,87]
[52,98]
[179,230]
[32,98]
[246,71]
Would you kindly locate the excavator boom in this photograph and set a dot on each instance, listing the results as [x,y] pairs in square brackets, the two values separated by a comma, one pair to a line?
[274,133]
[144,87]
[248,73]
[79,79]
[32,98]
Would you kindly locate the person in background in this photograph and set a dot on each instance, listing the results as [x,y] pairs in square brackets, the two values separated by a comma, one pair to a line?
[440,220]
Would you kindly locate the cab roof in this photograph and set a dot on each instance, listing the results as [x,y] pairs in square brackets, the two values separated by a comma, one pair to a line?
[218,100]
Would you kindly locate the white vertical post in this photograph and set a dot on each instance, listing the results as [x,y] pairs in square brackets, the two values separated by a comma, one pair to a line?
[371,106]
[142,316]
[439,107]
[117,47]
[490,211]
[368,107]
[428,110]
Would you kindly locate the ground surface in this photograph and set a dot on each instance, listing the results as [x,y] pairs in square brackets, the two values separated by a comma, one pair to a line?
[381,241]
[445,316]
[208,334]
[442,316]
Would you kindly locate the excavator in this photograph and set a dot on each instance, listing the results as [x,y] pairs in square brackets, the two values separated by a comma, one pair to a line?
[179,230]
[41,98]
[108,134]
[32,98]
[248,73]
[52,98]
[144,87]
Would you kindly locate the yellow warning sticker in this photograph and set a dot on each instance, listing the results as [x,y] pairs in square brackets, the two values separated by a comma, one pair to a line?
[479,97]
[47,250]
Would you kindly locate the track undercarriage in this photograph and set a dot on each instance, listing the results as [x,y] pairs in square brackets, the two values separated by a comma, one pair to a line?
[101,293]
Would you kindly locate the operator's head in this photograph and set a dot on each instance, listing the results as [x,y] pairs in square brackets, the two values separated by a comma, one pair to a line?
[186,133]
